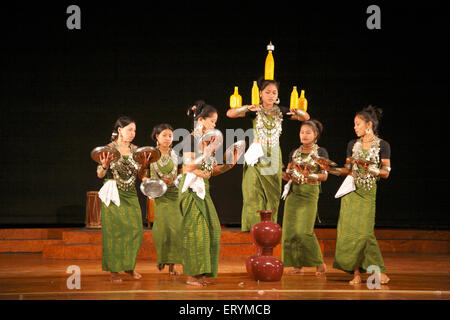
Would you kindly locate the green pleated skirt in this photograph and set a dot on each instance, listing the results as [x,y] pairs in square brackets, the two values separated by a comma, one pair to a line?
[356,245]
[122,232]
[300,247]
[260,192]
[166,230]
[200,233]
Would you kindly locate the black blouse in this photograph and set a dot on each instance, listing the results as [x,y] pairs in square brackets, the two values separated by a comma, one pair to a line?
[385,149]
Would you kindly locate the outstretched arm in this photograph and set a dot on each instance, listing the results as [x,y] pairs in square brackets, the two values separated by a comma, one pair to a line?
[299,115]
[241,111]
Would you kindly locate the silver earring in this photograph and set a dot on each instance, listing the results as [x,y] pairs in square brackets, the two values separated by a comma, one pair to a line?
[198,130]
[367,130]
[278,101]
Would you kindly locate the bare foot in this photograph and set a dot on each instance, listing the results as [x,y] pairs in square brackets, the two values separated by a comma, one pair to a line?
[356,279]
[295,271]
[134,274]
[194,281]
[115,278]
[384,279]
[320,270]
[205,281]
[172,271]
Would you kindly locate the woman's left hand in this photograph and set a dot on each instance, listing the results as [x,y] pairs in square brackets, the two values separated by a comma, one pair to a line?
[147,156]
[168,181]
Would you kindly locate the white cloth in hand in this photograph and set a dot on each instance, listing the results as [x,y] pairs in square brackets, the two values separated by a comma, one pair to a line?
[196,184]
[346,187]
[109,193]
[253,153]
[287,187]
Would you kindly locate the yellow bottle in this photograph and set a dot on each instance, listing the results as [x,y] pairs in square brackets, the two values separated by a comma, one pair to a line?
[294,98]
[255,94]
[270,64]
[302,102]
[235,99]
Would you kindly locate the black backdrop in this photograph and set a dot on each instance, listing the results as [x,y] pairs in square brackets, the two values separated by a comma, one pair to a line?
[62,91]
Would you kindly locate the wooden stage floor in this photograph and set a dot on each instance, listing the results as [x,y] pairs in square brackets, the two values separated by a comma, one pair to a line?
[32,277]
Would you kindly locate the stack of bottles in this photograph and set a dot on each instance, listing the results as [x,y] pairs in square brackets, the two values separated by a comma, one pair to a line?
[296,102]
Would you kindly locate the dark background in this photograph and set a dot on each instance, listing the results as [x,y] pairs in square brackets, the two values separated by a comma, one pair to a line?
[62,90]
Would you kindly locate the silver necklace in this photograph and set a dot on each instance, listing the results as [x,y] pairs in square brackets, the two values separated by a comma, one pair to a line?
[125,170]
[157,165]
[269,131]
[365,180]
[164,160]
[297,157]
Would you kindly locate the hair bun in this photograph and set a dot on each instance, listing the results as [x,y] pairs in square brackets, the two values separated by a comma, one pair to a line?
[375,112]
[199,104]
[196,109]
[319,125]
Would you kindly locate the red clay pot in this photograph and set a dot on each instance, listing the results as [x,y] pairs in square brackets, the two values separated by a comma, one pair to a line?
[249,265]
[266,234]
[267,268]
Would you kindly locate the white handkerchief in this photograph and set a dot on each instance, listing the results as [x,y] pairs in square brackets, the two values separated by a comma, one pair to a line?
[287,187]
[346,187]
[196,184]
[253,153]
[109,193]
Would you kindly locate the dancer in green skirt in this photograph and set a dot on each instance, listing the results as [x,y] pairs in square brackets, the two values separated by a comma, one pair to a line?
[200,225]
[122,227]
[300,247]
[166,229]
[368,159]
[261,182]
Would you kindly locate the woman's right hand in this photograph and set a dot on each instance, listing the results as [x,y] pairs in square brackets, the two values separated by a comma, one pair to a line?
[286,176]
[105,159]
[189,167]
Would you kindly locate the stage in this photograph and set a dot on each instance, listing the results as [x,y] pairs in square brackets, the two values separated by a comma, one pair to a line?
[30,276]
[416,271]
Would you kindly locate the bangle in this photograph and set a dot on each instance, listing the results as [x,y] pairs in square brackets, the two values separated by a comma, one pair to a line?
[388,169]
[348,166]
[336,171]
[374,171]
[300,113]
[313,176]
[102,170]
[243,109]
